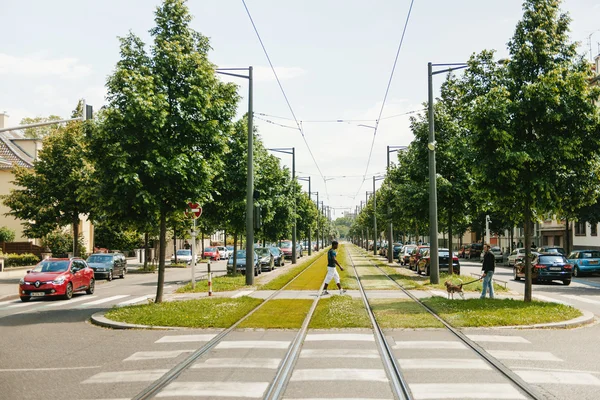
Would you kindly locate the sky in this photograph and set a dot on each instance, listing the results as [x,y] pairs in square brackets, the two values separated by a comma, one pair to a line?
[334,59]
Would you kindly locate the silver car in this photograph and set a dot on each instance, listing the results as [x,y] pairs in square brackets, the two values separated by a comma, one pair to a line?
[518,255]
[497,252]
[223,253]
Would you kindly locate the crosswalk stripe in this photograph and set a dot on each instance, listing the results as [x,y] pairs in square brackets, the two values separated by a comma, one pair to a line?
[523,355]
[551,300]
[563,378]
[242,293]
[424,391]
[2,303]
[423,344]
[253,344]
[127,376]
[156,355]
[215,389]
[339,353]
[443,363]
[23,304]
[340,374]
[185,338]
[135,300]
[69,302]
[498,339]
[355,337]
[582,299]
[102,301]
[267,363]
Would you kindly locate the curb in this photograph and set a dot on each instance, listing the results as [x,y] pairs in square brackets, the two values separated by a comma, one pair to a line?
[100,320]
[586,319]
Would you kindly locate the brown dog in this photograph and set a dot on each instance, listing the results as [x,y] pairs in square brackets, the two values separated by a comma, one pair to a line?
[452,288]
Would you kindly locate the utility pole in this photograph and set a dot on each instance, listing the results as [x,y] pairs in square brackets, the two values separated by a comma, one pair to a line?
[318,218]
[292,152]
[374,219]
[309,194]
[390,255]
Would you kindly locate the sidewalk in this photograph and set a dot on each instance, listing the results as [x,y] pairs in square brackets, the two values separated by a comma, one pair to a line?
[9,279]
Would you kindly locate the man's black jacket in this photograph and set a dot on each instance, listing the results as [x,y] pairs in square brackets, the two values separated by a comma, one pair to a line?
[489,262]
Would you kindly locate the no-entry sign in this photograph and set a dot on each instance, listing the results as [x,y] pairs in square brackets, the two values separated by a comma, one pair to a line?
[194,210]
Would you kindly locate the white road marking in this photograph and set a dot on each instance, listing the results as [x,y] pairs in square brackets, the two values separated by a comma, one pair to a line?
[29,303]
[551,300]
[185,338]
[339,353]
[582,299]
[498,339]
[102,301]
[127,376]
[340,374]
[3,303]
[423,344]
[46,369]
[443,363]
[156,355]
[242,293]
[215,389]
[465,391]
[561,370]
[253,344]
[563,378]
[136,300]
[267,363]
[355,337]
[523,355]
[68,302]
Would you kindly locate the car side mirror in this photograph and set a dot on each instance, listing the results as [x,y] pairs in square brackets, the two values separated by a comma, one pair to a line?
[28,271]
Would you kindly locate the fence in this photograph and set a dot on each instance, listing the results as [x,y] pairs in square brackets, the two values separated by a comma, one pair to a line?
[21,248]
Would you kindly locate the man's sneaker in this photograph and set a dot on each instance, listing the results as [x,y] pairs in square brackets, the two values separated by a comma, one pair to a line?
[325,293]
[342,291]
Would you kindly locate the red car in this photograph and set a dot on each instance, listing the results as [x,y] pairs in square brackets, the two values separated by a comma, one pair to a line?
[57,277]
[212,253]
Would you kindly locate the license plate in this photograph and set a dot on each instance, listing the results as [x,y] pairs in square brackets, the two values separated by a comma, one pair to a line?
[555,268]
[38,294]
[594,262]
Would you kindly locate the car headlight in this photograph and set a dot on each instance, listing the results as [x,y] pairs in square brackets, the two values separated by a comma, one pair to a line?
[22,281]
[59,281]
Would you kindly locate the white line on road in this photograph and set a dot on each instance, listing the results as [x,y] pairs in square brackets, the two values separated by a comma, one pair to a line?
[562,378]
[498,339]
[267,363]
[59,303]
[102,301]
[185,338]
[127,376]
[340,374]
[242,293]
[443,363]
[46,369]
[354,337]
[551,300]
[215,389]
[339,353]
[135,300]
[253,344]
[523,355]
[423,344]
[582,299]
[156,355]
[23,304]
[422,391]
[3,303]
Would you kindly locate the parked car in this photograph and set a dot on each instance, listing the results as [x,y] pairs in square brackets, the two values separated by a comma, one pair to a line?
[230,249]
[278,256]
[265,259]
[396,250]
[404,256]
[473,250]
[552,249]
[462,252]
[211,253]
[108,265]
[518,255]
[416,255]
[444,262]
[183,256]
[286,247]
[57,277]
[496,251]
[545,267]
[223,253]
[585,262]
[241,262]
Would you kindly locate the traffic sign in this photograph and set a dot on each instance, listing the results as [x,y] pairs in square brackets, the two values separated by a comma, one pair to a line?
[194,210]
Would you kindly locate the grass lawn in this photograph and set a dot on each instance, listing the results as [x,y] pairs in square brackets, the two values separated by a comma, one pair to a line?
[312,278]
[373,279]
[506,312]
[340,312]
[219,284]
[201,313]
[279,314]
[284,278]
[403,314]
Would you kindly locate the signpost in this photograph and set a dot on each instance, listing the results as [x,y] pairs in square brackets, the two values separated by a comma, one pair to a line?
[194,211]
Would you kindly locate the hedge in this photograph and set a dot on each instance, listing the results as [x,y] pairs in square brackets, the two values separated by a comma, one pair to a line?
[20,260]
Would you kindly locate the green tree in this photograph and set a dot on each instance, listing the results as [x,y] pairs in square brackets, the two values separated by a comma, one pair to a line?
[6,234]
[165,126]
[534,123]
[39,132]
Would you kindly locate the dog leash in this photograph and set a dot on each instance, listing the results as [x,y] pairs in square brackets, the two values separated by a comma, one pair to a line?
[476,280]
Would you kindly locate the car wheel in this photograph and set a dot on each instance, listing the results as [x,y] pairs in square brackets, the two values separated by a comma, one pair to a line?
[418,271]
[123,271]
[255,271]
[69,291]
[110,276]
[515,275]
[427,271]
[92,287]
[576,273]
[25,299]
[272,265]
[567,282]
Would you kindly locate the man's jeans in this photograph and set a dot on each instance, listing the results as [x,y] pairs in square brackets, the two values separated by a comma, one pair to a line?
[488,285]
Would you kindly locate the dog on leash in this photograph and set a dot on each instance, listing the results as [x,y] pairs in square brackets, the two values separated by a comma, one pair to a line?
[452,288]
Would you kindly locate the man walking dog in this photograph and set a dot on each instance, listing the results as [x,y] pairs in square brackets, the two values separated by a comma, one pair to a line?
[489,265]
[331,271]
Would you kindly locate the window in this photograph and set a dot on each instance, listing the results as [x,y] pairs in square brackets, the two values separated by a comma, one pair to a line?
[580,228]
[594,229]
[545,241]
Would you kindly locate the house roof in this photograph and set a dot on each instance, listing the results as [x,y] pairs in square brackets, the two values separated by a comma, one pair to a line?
[11,154]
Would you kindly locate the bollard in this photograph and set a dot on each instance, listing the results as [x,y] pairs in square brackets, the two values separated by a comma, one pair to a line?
[209,279]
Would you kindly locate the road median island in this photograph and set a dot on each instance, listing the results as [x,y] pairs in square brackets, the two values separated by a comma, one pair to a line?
[200,313]
[338,312]
[279,314]
[224,283]
[403,314]
[286,277]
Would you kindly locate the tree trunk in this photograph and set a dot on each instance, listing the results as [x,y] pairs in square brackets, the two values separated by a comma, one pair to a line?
[76,236]
[162,250]
[146,250]
[175,248]
[567,237]
[527,252]
[234,269]
[451,251]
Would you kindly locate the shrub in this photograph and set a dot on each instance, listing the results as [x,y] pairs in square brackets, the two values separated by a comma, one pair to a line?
[6,234]
[60,243]
[20,260]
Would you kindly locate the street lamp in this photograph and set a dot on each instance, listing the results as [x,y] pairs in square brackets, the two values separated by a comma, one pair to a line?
[250,170]
[292,151]
[375,233]
[367,193]
[307,179]
[390,255]
[317,193]
[433,217]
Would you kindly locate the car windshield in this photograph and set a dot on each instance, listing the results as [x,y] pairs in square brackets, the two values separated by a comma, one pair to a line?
[221,248]
[210,249]
[443,253]
[423,250]
[99,259]
[274,250]
[286,245]
[230,248]
[241,254]
[590,254]
[556,250]
[496,249]
[263,252]
[552,259]
[52,266]
[184,252]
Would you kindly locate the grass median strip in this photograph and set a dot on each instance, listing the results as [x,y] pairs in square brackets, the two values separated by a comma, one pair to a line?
[279,314]
[403,314]
[219,284]
[340,312]
[202,313]
[499,312]
[286,277]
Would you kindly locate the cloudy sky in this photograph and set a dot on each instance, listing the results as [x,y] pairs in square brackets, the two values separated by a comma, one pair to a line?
[334,58]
